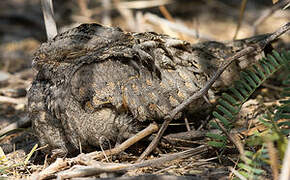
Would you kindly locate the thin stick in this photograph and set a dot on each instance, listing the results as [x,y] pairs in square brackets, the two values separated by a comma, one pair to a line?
[129,142]
[50,25]
[285,172]
[251,48]
[267,13]
[58,165]
[165,13]
[234,139]
[235,172]
[85,171]
[175,26]
[241,17]
[187,124]
[274,162]
[22,122]
[106,20]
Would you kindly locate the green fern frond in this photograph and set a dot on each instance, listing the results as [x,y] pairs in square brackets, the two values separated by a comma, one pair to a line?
[230,103]
[253,164]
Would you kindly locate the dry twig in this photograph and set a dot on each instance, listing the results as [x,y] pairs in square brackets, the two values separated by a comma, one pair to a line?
[241,17]
[129,142]
[285,172]
[106,20]
[83,171]
[236,173]
[24,121]
[234,139]
[143,4]
[267,13]
[251,48]
[175,26]
[95,167]
[273,159]
[50,26]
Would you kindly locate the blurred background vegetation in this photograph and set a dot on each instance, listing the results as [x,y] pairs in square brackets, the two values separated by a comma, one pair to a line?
[22,31]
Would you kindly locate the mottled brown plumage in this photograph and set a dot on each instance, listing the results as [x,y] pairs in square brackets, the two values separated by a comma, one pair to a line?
[95,81]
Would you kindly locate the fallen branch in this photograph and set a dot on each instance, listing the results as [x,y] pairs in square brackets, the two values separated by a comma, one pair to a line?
[84,171]
[129,142]
[58,165]
[85,166]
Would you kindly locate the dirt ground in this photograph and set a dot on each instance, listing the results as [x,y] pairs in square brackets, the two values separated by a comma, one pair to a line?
[22,31]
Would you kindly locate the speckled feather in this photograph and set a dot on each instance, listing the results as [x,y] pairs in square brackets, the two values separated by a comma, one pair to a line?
[96,84]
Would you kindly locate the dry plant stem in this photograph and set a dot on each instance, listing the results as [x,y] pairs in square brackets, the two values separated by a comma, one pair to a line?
[18,124]
[84,171]
[153,127]
[107,15]
[165,13]
[58,165]
[50,26]
[234,139]
[168,16]
[143,4]
[4,99]
[241,17]
[285,172]
[273,160]
[235,166]
[152,18]
[186,135]
[236,173]
[128,16]
[98,167]
[267,13]
[187,124]
[255,47]
[270,86]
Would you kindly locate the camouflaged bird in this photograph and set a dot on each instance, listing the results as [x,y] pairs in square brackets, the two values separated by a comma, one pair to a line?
[97,83]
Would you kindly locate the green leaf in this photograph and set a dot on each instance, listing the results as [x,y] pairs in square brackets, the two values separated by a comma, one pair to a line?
[228,106]
[214,125]
[217,136]
[278,57]
[272,60]
[237,94]
[229,98]
[248,78]
[255,77]
[222,119]
[216,144]
[225,111]
[259,71]
[266,68]
[250,169]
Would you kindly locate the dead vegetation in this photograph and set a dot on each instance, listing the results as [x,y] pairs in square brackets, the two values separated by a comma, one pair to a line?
[183,150]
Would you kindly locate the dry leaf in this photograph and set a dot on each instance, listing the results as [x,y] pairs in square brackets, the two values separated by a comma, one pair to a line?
[3,158]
